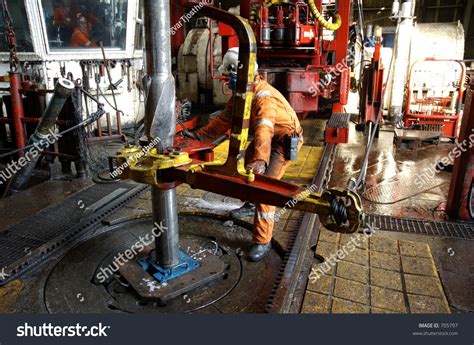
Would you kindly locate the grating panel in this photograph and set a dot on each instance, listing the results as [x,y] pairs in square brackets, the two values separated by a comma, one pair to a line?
[14,247]
[460,230]
[28,243]
[53,221]
[339,120]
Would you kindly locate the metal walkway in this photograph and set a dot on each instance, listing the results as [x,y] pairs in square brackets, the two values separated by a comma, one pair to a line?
[459,230]
[30,242]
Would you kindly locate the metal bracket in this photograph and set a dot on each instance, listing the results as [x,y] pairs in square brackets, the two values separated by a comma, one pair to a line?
[186,264]
[143,167]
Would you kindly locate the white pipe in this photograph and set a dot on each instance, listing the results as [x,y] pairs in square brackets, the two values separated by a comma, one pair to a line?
[402,59]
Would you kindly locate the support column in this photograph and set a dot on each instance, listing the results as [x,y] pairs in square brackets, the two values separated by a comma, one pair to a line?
[161,121]
[402,60]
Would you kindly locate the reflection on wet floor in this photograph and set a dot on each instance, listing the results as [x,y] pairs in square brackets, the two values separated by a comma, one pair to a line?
[387,164]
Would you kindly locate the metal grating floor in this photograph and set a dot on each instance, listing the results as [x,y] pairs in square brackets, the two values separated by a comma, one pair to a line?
[459,230]
[339,120]
[33,239]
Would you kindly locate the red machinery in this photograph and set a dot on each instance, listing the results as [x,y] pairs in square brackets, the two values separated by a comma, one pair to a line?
[372,92]
[461,192]
[294,55]
[435,108]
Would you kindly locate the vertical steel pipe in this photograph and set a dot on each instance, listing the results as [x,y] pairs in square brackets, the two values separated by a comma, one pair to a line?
[161,121]
[42,135]
[402,60]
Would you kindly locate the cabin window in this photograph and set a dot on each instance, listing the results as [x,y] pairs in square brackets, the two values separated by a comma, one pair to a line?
[139,32]
[20,26]
[83,24]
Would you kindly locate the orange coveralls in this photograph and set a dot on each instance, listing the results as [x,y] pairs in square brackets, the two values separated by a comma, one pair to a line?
[80,39]
[273,120]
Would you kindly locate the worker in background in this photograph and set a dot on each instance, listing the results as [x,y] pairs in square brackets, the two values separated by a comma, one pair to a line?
[60,15]
[274,123]
[82,32]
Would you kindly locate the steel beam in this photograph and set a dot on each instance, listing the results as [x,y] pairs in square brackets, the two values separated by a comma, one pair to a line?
[42,134]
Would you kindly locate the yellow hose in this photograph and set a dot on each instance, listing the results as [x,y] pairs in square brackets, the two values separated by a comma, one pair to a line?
[253,16]
[270,3]
[330,26]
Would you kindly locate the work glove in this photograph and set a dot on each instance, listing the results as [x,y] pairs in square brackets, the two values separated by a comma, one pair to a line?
[258,167]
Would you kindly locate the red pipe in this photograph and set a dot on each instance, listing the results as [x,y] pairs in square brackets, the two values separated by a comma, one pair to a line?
[18,112]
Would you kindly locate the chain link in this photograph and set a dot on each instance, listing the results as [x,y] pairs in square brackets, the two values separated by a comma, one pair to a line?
[11,37]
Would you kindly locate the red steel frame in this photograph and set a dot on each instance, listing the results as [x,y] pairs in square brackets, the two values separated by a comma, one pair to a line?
[449,122]
[339,46]
[463,172]
[371,95]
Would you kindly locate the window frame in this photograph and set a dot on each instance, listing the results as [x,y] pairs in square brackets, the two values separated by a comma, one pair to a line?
[42,51]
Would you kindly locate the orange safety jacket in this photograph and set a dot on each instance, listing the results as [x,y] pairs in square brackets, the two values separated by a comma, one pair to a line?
[272,119]
[80,39]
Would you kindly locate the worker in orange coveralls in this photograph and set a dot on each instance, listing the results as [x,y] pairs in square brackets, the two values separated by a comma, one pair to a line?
[60,17]
[274,122]
[81,35]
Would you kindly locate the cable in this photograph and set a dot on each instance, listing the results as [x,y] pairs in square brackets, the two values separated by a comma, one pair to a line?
[106,100]
[339,211]
[361,19]
[94,117]
[356,184]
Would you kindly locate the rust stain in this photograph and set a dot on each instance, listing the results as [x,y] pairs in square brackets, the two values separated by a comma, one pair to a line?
[9,295]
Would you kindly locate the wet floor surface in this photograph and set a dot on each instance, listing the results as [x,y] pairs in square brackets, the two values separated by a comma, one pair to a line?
[442,273]
[413,169]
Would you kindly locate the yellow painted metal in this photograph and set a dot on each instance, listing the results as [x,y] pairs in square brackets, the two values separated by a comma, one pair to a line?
[235,165]
[320,203]
[143,167]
